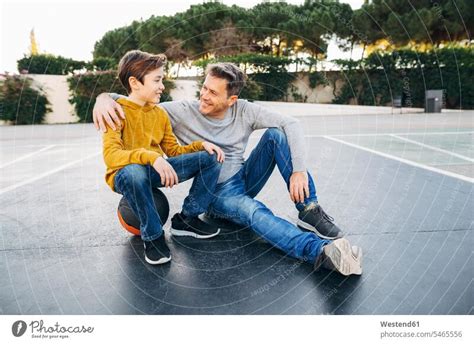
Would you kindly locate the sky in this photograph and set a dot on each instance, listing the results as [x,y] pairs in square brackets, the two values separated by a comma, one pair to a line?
[70,27]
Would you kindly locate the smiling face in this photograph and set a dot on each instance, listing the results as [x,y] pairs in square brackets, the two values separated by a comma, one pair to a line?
[214,99]
[150,90]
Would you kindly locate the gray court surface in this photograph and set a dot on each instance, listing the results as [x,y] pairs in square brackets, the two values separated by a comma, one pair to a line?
[400,185]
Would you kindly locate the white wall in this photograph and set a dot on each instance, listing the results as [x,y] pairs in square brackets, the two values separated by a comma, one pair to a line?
[185,89]
[57,92]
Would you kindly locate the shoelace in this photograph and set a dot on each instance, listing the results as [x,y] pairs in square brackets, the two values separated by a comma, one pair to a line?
[315,206]
[326,216]
[320,210]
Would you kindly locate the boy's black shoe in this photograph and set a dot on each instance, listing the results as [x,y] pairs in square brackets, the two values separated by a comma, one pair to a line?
[182,225]
[156,251]
[313,218]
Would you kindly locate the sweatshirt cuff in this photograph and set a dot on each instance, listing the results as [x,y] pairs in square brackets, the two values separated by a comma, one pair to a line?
[299,165]
[151,157]
[198,145]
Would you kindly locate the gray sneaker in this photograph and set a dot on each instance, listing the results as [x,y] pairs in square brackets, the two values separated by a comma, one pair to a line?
[341,257]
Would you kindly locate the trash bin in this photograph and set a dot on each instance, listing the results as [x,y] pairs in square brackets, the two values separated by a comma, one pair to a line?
[433,100]
[397,102]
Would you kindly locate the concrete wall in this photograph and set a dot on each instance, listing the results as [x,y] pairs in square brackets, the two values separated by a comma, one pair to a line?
[321,94]
[57,92]
[185,89]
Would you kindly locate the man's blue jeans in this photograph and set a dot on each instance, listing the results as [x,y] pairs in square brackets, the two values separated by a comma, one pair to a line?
[235,199]
[135,182]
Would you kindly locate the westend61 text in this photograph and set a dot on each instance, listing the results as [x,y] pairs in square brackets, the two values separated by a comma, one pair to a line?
[399,324]
[37,326]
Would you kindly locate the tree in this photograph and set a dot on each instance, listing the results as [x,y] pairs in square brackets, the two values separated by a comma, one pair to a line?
[282,29]
[418,21]
[228,40]
[117,42]
[273,27]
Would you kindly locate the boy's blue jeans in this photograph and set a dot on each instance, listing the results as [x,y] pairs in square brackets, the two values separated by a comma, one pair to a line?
[235,199]
[135,182]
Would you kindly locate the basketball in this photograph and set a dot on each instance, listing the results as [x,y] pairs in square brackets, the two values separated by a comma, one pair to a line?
[130,221]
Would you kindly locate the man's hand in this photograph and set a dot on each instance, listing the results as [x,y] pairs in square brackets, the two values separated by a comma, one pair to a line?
[299,187]
[166,172]
[211,148]
[105,111]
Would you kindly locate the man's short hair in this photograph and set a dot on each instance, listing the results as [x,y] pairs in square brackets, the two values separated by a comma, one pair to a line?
[138,63]
[230,72]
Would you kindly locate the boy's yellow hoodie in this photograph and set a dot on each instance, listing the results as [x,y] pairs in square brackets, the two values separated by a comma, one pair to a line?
[144,136]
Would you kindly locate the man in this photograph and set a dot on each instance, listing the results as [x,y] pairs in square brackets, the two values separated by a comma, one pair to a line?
[223,119]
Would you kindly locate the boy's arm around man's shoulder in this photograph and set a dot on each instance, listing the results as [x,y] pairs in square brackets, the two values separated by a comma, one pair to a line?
[106,112]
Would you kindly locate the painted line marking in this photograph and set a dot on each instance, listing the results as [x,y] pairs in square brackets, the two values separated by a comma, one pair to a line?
[408,162]
[43,175]
[96,142]
[433,148]
[405,134]
[27,156]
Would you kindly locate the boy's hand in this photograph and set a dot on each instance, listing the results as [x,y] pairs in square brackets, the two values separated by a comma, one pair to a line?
[211,148]
[166,172]
[105,111]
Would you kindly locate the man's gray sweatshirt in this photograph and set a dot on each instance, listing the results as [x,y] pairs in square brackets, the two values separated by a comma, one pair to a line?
[232,132]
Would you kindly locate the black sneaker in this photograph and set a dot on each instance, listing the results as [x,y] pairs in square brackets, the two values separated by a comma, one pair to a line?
[313,218]
[340,256]
[156,251]
[192,226]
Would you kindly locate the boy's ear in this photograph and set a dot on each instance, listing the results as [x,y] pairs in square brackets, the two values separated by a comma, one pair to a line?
[133,82]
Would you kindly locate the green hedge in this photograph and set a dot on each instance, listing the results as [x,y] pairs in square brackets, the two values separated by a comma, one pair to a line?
[20,102]
[84,89]
[377,79]
[58,65]
[102,64]
[49,64]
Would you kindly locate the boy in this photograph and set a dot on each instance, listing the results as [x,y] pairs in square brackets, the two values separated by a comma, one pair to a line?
[134,156]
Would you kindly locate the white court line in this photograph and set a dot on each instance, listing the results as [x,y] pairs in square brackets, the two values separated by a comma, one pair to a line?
[98,141]
[408,162]
[40,176]
[405,134]
[27,156]
[433,148]
[57,144]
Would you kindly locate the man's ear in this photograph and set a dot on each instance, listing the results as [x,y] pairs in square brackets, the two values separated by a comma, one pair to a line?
[232,100]
[134,83]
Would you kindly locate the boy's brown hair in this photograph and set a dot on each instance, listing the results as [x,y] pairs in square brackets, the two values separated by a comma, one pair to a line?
[138,63]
